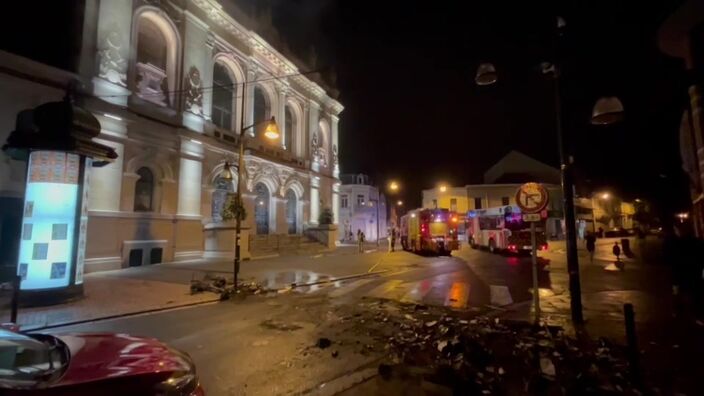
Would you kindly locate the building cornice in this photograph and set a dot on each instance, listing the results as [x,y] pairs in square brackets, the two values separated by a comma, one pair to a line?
[263,49]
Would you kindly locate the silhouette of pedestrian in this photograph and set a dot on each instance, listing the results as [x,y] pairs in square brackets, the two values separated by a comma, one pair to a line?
[393,239]
[360,240]
[617,252]
[590,240]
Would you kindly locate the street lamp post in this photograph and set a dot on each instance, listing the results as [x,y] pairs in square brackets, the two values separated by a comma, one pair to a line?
[606,111]
[271,132]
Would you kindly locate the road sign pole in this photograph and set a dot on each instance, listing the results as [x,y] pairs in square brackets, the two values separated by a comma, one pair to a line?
[536,289]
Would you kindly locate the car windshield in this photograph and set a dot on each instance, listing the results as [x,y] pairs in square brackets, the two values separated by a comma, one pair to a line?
[30,361]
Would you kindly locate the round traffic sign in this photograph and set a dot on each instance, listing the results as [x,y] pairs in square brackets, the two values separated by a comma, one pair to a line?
[532,197]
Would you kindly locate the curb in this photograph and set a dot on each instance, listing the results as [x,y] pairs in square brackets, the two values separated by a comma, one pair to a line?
[119,316]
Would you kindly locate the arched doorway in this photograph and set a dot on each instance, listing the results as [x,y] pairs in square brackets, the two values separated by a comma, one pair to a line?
[261,208]
[222,188]
[291,205]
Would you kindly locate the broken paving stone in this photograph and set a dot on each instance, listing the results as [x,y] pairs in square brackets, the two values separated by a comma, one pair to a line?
[442,345]
[323,343]
[335,353]
[431,324]
[547,367]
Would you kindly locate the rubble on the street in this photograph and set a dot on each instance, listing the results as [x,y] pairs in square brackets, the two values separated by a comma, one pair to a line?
[481,354]
[224,286]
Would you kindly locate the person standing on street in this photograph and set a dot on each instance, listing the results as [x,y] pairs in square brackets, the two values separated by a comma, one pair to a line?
[360,241]
[617,252]
[590,240]
[393,238]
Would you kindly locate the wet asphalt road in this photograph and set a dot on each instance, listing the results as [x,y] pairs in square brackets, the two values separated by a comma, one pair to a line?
[238,351]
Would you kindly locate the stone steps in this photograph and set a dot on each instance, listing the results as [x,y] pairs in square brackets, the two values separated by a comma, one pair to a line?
[283,244]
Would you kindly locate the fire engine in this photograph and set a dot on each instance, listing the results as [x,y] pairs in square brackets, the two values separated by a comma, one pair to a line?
[429,230]
[502,229]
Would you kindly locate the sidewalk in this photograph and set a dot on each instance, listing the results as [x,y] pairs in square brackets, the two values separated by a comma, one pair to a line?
[162,286]
[107,296]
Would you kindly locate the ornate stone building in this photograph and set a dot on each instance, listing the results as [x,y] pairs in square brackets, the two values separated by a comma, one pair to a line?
[166,79]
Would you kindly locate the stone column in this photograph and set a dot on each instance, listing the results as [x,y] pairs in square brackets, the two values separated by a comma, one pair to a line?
[336,202]
[313,119]
[249,98]
[127,197]
[314,200]
[335,120]
[281,113]
[106,182]
[189,180]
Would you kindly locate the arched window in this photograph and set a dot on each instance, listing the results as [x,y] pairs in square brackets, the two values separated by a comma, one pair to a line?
[157,53]
[289,128]
[144,191]
[224,90]
[291,205]
[261,208]
[222,188]
[261,110]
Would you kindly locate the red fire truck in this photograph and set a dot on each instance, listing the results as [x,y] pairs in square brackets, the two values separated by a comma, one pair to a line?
[429,230]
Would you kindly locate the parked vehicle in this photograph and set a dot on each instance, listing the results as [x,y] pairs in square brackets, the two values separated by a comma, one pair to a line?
[429,231]
[502,229]
[93,364]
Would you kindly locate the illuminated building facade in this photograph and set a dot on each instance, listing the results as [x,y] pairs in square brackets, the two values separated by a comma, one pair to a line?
[165,80]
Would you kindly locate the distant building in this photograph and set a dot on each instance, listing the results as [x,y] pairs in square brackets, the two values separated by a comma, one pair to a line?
[499,189]
[681,36]
[362,206]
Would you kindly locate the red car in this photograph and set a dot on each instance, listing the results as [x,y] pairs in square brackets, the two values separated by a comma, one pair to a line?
[93,364]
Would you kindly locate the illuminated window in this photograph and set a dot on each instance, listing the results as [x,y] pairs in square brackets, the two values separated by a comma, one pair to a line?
[261,210]
[504,201]
[477,203]
[224,92]
[261,109]
[344,201]
[453,204]
[360,200]
[435,203]
[144,191]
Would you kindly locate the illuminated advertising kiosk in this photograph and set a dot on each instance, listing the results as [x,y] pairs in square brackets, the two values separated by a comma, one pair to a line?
[56,141]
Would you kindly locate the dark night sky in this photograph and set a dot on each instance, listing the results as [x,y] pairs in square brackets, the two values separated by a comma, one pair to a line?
[405,74]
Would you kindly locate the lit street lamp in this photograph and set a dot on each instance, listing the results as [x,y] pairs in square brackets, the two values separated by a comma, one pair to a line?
[606,111]
[443,188]
[271,132]
[399,203]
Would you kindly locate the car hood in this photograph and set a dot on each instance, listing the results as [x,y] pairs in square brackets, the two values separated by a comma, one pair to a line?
[101,356]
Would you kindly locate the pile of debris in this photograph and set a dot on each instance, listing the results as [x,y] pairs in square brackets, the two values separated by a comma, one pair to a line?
[224,286]
[480,354]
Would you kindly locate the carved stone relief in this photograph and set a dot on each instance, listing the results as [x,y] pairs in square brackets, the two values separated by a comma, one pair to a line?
[113,65]
[194,91]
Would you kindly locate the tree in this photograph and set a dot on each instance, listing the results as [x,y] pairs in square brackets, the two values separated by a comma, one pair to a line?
[326,217]
[231,209]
